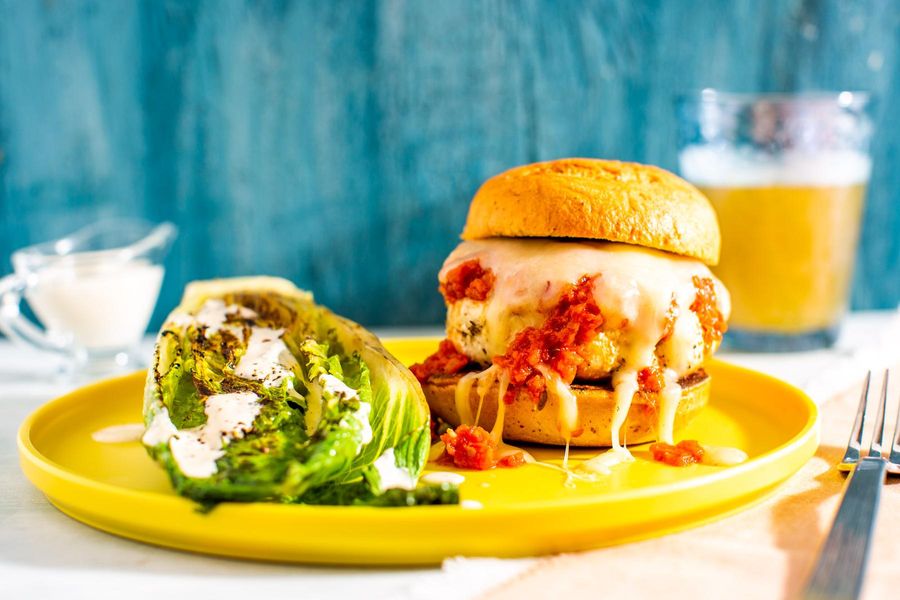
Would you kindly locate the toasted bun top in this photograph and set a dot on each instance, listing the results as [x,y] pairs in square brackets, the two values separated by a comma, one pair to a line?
[597,199]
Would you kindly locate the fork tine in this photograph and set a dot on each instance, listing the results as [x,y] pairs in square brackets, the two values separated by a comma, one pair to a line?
[895,445]
[851,456]
[878,439]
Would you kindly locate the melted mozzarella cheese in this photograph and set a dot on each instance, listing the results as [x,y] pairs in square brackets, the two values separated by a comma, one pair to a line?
[602,464]
[669,398]
[625,386]
[635,284]
[635,289]
[568,403]
[463,391]
[723,456]
[483,381]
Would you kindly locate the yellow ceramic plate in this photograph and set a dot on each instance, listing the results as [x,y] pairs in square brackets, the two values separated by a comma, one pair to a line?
[525,511]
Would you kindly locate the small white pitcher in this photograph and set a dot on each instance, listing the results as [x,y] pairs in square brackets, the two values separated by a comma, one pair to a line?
[94,292]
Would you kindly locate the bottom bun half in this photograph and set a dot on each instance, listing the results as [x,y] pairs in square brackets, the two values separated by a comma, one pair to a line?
[525,422]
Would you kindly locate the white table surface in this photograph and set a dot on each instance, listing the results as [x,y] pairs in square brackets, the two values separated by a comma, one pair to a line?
[44,554]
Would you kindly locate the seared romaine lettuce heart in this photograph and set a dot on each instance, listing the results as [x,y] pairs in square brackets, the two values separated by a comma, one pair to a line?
[257,393]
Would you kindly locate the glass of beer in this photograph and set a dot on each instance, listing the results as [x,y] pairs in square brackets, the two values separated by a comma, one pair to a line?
[787,175]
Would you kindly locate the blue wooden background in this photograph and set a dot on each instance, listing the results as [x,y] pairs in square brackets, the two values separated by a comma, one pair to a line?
[338,143]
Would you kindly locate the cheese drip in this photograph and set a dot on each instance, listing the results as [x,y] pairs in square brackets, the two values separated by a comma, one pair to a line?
[482,382]
[638,291]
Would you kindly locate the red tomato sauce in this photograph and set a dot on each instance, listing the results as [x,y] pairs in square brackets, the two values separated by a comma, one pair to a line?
[573,323]
[474,448]
[711,320]
[468,280]
[650,379]
[686,452]
[669,325]
[446,361]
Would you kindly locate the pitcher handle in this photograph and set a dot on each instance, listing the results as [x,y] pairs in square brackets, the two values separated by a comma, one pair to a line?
[16,326]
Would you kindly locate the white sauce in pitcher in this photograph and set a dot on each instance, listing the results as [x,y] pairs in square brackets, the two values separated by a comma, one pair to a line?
[100,305]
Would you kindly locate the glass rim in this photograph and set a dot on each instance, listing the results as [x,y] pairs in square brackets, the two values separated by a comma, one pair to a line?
[149,237]
[841,98]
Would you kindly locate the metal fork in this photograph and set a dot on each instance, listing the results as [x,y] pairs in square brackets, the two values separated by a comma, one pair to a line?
[842,561]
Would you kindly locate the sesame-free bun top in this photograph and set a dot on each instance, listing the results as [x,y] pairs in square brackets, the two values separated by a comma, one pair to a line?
[597,199]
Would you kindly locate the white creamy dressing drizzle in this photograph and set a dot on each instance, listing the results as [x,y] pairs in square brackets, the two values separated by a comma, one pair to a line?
[635,289]
[160,430]
[267,358]
[334,386]
[391,475]
[213,315]
[119,434]
[196,450]
[327,383]
[358,419]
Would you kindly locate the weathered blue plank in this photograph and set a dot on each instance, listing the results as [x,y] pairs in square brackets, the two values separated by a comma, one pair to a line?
[338,143]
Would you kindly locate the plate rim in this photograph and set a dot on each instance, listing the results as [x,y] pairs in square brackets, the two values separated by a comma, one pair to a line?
[29,453]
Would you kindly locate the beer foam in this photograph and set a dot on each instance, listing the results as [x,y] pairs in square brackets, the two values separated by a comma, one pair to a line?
[711,166]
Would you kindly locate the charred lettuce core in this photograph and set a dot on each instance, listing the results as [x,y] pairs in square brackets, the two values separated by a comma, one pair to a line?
[258,394]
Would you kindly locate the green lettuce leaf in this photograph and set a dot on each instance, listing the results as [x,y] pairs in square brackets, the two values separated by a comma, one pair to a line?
[318,433]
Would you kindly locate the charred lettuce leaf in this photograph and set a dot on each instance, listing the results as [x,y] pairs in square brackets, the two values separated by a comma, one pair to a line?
[342,402]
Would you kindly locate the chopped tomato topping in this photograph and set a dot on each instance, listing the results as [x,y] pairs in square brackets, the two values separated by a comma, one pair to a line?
[517,459]
[573,323]
[707,309]
[669,325]
[474,448]
[468,280]
[446,361]
[650,379]
[686,452]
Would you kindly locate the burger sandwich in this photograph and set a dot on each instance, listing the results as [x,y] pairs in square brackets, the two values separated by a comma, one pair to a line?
[580,307]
